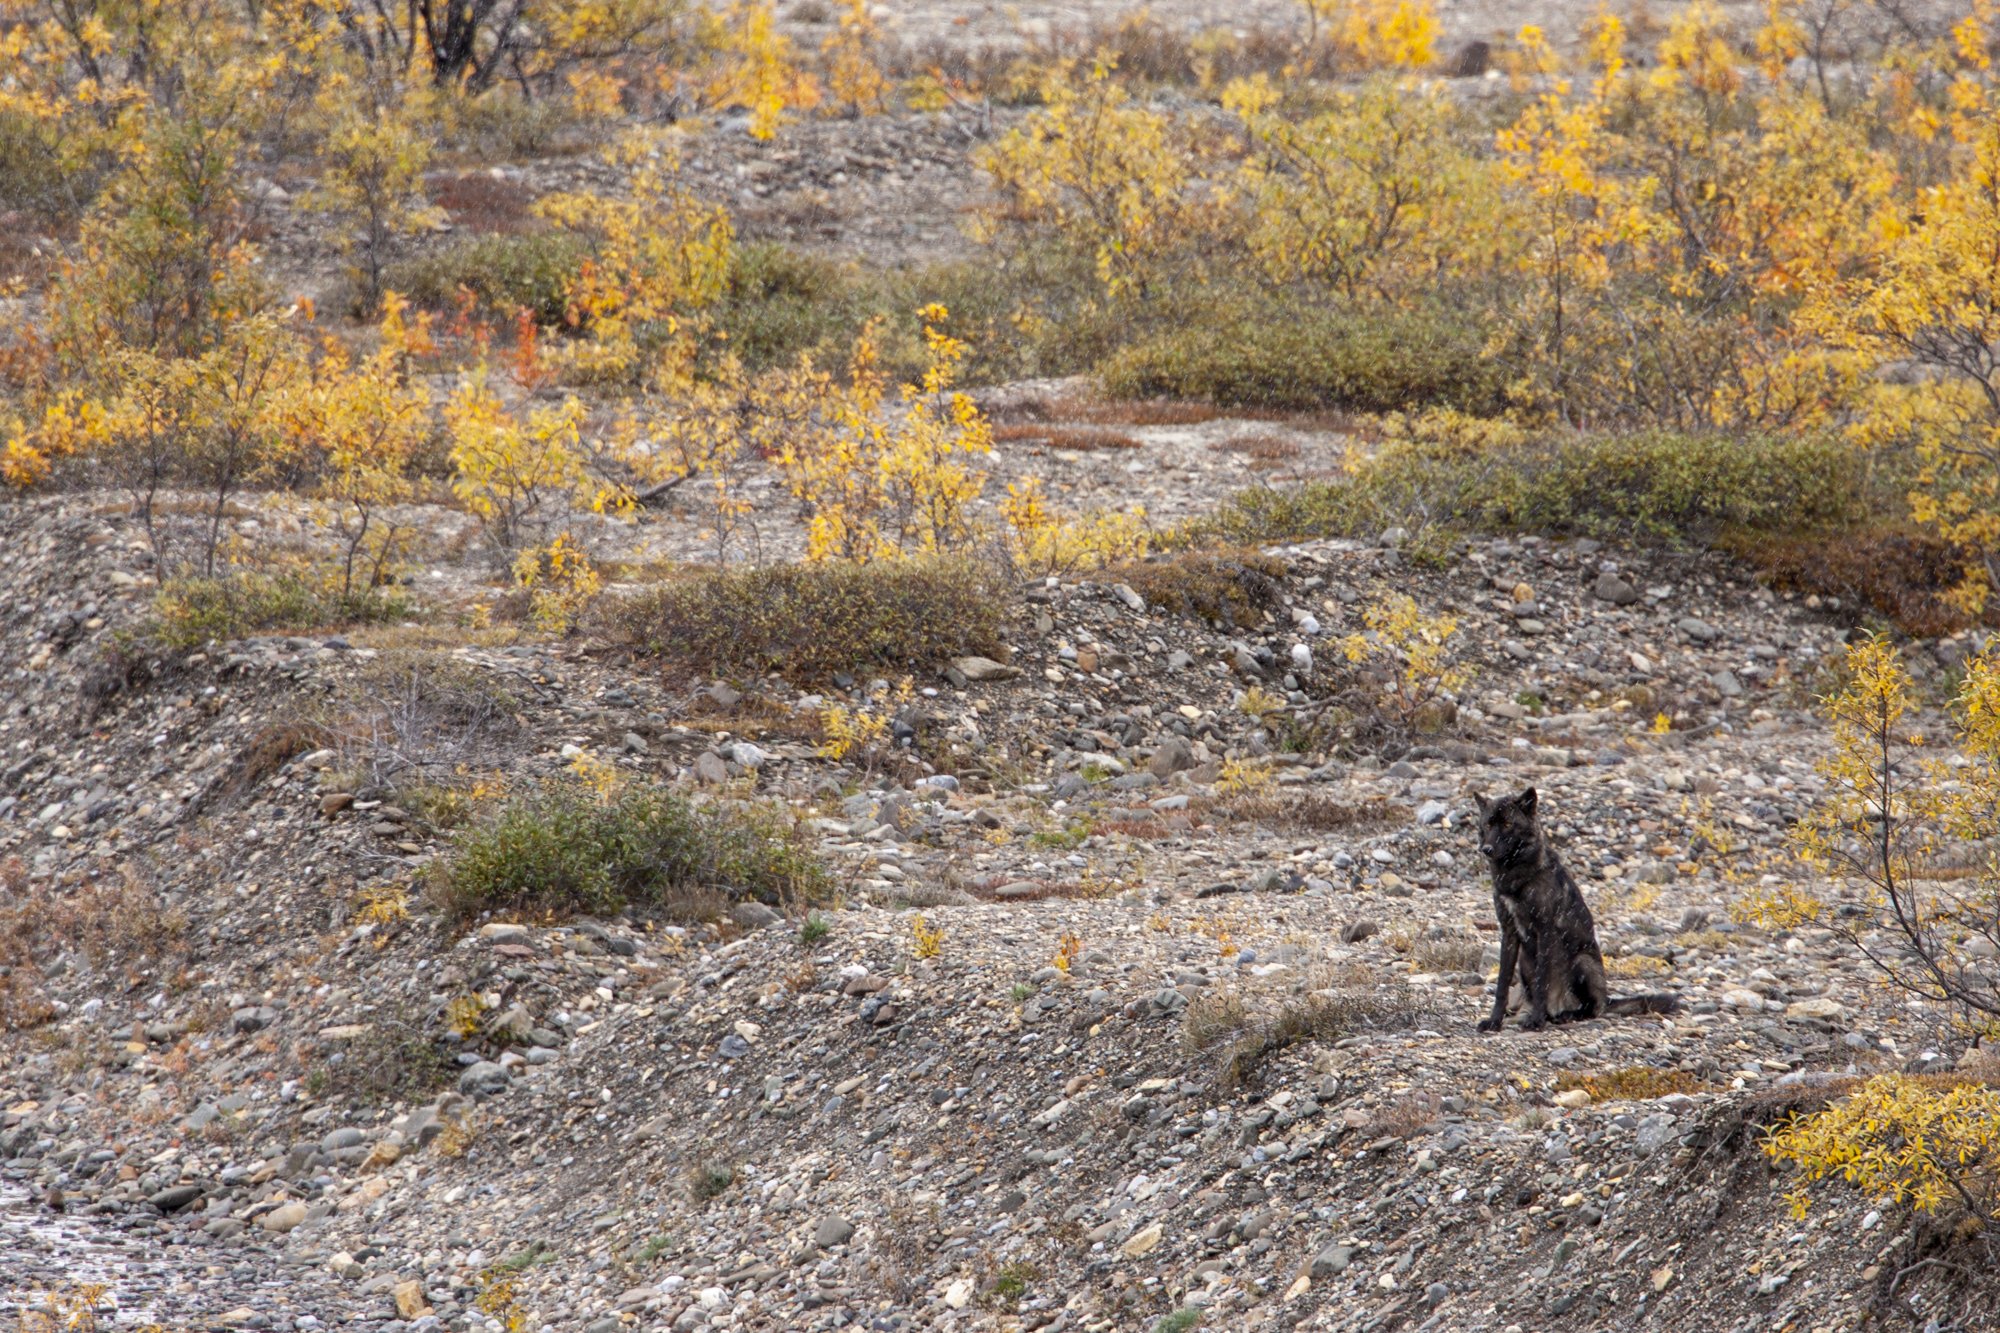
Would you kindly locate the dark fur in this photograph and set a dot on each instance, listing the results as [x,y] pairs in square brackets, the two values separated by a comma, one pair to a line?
[1545,925]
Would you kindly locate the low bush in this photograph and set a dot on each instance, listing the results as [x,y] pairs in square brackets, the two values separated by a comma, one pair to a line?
[1691,488]
[403,1056]
[506,273]
[568,849]
[1023,315]
[190,612]
[1286,356]
[1226,588]
[811,622]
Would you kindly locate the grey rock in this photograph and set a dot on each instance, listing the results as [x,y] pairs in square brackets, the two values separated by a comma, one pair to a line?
[1175,755]
[252,1018]
[1610,588]
[174,1198]
[755,915]
[1332,1261]
[485,1079]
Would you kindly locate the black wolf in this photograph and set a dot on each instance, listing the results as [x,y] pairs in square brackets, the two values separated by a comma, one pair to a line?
[1545,925]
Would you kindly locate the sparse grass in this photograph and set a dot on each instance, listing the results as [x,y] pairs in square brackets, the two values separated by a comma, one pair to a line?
[191,612]
[425,724]
[814,929]
[1068,838]
[1406,1116]
[1634,1083]
[1227,588]
[1455,953]
[812,622]
[116,918]
[1263,451]
[566,849]
[707,1180]
[1180,1321]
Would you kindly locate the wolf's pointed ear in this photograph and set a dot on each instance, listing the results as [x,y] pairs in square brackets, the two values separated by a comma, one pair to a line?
[1480,801]
[1527,801]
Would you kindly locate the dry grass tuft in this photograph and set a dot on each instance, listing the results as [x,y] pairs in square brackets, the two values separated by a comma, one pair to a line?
[1634,1083]
[1246,1037]
[1311,812]
[1228,588]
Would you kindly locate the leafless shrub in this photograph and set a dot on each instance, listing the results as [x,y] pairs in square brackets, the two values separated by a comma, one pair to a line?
[421,717]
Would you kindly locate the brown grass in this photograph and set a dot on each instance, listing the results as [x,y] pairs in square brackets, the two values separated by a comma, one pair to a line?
[1406,1117]
[1115,412]
[1080,439]
[480,203]
[1263,451]
[274,746]
[1454,953]
[117,919]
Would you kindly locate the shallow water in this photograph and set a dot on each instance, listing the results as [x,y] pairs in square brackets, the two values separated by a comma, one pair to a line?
[41,1251]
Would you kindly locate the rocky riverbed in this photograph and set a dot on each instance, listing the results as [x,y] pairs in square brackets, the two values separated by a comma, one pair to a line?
[1192,1030]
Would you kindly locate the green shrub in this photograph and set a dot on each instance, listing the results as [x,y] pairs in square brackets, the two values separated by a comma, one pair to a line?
[782,302]
[566,849]
[810,622]
[1660,484]
[1283,355]
[192,611]
[505,272]
[33,178]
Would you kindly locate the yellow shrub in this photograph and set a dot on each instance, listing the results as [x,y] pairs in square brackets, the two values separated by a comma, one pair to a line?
[926,940]
[1931,1145]
[561,581]
[1042,542]
[1416,652]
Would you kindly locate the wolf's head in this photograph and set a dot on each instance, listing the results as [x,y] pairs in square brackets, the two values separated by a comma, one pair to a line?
[1507,829]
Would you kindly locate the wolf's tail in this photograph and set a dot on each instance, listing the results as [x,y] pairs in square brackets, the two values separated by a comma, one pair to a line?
[1630,1005]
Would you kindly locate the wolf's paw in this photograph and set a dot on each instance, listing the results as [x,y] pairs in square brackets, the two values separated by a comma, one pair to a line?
[1533,1022]
[1489,1025]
